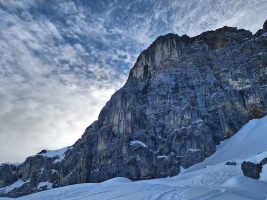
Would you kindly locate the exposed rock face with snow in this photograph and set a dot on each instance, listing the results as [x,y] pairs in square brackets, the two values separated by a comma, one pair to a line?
[41,168]
[183,96]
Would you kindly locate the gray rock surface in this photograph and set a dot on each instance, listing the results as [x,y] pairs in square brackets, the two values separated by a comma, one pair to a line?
[265,25]
[183,96]
[251,169]
[8,174]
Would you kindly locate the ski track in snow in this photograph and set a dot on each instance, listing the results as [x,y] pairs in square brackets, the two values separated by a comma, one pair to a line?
[171,195]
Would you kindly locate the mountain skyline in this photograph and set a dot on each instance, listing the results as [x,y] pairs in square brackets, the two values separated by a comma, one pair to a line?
[62,60]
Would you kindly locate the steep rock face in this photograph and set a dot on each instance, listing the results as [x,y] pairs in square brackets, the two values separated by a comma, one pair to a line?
[8,174]
[183,96]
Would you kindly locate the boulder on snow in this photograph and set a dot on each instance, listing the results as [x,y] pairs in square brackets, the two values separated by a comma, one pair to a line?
[251,169]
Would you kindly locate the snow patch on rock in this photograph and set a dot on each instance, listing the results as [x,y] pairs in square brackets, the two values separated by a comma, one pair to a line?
[14,185]
[193,150]
[59,154]
[46,183]
[137,142]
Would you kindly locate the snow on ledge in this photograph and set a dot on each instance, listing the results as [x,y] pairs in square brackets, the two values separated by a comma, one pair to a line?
[163,156]
[8,163]
[138,142]
[46,183]
[193,150]
[14,185]
[60,154]
[258,157]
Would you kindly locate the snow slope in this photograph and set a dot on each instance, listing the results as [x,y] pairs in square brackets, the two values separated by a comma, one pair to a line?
[248,142]
[210,179]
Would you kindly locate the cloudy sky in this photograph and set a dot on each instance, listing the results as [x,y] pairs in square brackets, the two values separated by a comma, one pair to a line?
[60,61]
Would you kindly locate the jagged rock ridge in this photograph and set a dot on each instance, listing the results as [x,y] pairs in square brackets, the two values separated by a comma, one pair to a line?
[183,96]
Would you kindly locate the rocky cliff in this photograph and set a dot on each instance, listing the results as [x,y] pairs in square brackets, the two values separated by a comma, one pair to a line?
[183,96]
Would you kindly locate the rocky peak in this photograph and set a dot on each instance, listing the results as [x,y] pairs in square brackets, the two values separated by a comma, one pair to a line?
[263,30]
[225,36]
[172,47]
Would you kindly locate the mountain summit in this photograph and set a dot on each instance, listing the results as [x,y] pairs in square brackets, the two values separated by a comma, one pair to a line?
[183,96]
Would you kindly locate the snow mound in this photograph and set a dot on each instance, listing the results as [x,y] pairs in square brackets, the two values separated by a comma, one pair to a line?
[117,180]
[252,188]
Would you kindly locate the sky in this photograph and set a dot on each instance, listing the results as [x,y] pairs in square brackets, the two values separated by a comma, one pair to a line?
[61,60]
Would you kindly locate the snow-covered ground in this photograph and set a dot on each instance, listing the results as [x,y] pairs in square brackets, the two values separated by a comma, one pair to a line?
[210,179]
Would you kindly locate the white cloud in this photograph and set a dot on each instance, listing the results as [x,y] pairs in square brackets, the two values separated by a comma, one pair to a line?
[50,116]
[46,99]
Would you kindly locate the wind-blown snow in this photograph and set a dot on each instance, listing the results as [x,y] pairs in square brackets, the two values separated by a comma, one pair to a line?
[210,179]
[60,154]
[16,184]
[53,153]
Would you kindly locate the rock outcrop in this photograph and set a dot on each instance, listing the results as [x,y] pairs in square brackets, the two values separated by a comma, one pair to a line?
[8,174]
[265,25]
[183,96]
[253,170]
